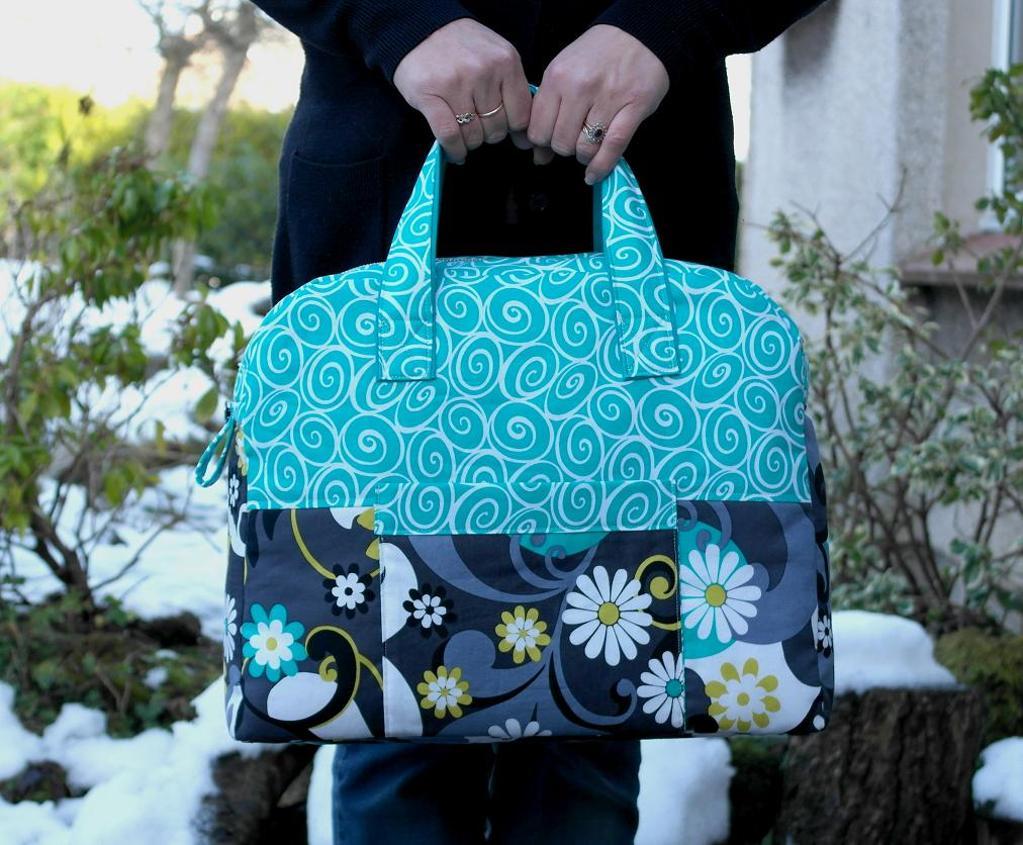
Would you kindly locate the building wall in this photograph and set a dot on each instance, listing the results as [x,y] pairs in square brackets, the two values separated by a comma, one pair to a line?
[863,104]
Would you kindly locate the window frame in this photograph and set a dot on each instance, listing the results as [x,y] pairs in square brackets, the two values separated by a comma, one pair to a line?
[1006,48]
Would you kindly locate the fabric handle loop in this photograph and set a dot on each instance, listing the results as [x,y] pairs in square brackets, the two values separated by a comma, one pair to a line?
[623,232]
[223,436]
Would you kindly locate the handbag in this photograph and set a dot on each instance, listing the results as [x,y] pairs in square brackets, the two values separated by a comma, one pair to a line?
[493,498]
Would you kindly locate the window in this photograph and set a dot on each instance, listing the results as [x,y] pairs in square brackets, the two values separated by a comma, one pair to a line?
[1015,35]
[1007,49]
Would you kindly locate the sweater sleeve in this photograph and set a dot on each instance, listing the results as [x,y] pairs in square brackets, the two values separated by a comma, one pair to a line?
[382,31]
[686,31]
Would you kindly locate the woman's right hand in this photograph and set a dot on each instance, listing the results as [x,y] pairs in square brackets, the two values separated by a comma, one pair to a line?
[467,67]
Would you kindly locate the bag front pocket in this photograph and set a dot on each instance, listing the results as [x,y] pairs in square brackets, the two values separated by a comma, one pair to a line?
[751,615]
[309,624]
[527,629]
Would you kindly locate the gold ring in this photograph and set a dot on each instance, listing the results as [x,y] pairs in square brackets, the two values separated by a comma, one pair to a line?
[492,111]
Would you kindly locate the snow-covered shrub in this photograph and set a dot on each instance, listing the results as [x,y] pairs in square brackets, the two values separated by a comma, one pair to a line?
[78,374]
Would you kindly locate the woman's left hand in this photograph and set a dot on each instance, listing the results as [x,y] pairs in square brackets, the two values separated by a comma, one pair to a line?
[605,76]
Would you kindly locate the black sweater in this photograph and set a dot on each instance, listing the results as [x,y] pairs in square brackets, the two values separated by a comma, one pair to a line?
[354,147]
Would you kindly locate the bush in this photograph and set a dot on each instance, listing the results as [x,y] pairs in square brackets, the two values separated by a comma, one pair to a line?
[939,430]
[993,664]
[243,184]
[38,124]
[74,371]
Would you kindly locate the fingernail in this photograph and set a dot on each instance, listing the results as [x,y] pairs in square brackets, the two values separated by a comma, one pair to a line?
[589,178]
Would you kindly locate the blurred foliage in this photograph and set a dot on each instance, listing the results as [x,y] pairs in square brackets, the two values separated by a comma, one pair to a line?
[243,184]
[78,251]
[35,126]
[241,190]
[993,665]
[915,427]
[61,651]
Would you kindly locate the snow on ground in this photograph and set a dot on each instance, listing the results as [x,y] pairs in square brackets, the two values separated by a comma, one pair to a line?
[145,788]
[683,791]
[318,804]
[881,650]
[998,783]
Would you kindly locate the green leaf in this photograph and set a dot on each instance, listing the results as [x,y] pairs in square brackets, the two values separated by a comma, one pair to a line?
[206,407]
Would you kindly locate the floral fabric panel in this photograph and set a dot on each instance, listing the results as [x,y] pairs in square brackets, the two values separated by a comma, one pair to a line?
[718,625]
[503,635]
[302,625]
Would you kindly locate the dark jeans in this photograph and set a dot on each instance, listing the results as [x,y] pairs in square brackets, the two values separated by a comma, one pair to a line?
[556,791]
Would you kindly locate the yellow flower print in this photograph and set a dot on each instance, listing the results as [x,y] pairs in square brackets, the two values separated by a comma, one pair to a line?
[522,633]
[743,700]
[444,692]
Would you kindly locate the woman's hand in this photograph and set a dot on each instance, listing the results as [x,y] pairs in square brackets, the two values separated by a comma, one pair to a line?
[466,67]
[605,76]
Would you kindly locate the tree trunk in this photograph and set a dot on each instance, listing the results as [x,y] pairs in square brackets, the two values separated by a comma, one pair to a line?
[248,800]
[212,119]
[892,766]
[235,49]
[158,128]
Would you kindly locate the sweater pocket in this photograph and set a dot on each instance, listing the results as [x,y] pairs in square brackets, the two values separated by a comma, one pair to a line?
[335,215]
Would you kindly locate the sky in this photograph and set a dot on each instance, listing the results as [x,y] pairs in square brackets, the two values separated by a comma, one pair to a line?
[106,48]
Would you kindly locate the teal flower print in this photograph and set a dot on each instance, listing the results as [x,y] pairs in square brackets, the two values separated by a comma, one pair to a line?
[664,689]
[272,644]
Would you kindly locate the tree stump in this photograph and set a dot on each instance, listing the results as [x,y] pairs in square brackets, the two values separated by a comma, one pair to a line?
[891,766]
[248,805]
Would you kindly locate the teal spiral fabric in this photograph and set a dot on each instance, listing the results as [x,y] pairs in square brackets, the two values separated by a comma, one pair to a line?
[529,389]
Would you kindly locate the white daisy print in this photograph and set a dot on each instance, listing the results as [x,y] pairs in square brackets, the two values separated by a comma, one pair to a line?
[230,627]
[428,608]
[513,729]
[663,687]
[522,632]
[743,698]
[239,447]
[715,595]
[232,490]
[610,614]
[822,630]
[349,591]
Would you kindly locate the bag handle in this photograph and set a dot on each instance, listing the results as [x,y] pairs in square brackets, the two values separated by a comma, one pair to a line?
[623,231]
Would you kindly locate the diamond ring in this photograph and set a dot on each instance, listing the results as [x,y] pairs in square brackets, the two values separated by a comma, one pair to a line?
[595,133]
[465,117]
